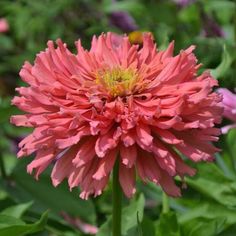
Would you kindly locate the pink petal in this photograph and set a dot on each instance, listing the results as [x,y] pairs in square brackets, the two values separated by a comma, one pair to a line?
[127,180]
[105,165]
[128,155]
[63,166]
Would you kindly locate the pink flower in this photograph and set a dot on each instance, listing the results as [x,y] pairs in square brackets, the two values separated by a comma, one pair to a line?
[78,223]
[142,106]
[3,25]
[229,102]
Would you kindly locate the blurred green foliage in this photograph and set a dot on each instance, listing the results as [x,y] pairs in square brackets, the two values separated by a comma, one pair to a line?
[207,206]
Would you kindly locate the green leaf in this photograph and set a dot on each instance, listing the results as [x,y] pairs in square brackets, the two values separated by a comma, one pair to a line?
[129,215]
[202,226]
[129,6]
[139,226]
[6,220]
[129,219]
[225,64]
[212,183]
[210,211]
[46,196]
[16,227]
[168,225]
[6,110]
[5,42]
[231,144]
[105,229]
[225,164]
[18,210]
[224,10]
[3,194]
[148,227]
[229,231]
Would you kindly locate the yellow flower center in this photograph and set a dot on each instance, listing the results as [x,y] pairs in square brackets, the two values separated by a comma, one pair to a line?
[117,81]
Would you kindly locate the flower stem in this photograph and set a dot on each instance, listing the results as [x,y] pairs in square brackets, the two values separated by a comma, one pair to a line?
[116,202]
[2,168]
[234,64]
[235,25]
[165,203]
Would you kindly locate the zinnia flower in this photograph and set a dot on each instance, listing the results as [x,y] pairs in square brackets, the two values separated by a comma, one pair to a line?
[3,25]
[229,102]
[141,106]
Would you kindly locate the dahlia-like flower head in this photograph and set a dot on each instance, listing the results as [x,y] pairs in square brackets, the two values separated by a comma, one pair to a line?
[117,101]
[229,103]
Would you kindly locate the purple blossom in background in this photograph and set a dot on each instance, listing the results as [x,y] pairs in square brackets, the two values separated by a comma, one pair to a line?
[210,27]
[123,20]
[229,103]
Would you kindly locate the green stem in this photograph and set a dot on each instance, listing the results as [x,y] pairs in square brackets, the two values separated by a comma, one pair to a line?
[116,202]
[2,168]
[234,64]
[234,25]
[165,203]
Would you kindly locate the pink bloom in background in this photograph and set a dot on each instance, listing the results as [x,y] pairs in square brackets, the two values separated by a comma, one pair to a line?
[229,102]
[3,25]
[79,224]
[142,106]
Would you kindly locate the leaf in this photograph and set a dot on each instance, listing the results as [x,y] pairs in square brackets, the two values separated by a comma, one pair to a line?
[162,34]
[129,6]
[212,183]
[16,227]
[46,196]
[140,232]
[168,225]
[6,220]
[229,231]
[129,215]
[5,42]
[148,227]
[225,64]
[224,10]
[129,219]
[105,229]
[210,211]
[6,110]
[18,210]
[3,194]
[202,226]
[231,144]
[225,164]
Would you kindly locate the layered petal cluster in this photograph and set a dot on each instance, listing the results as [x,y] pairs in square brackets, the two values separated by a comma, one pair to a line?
[229,103]
[143,106]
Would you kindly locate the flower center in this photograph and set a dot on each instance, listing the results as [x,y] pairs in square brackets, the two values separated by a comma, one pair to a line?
[117,81]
